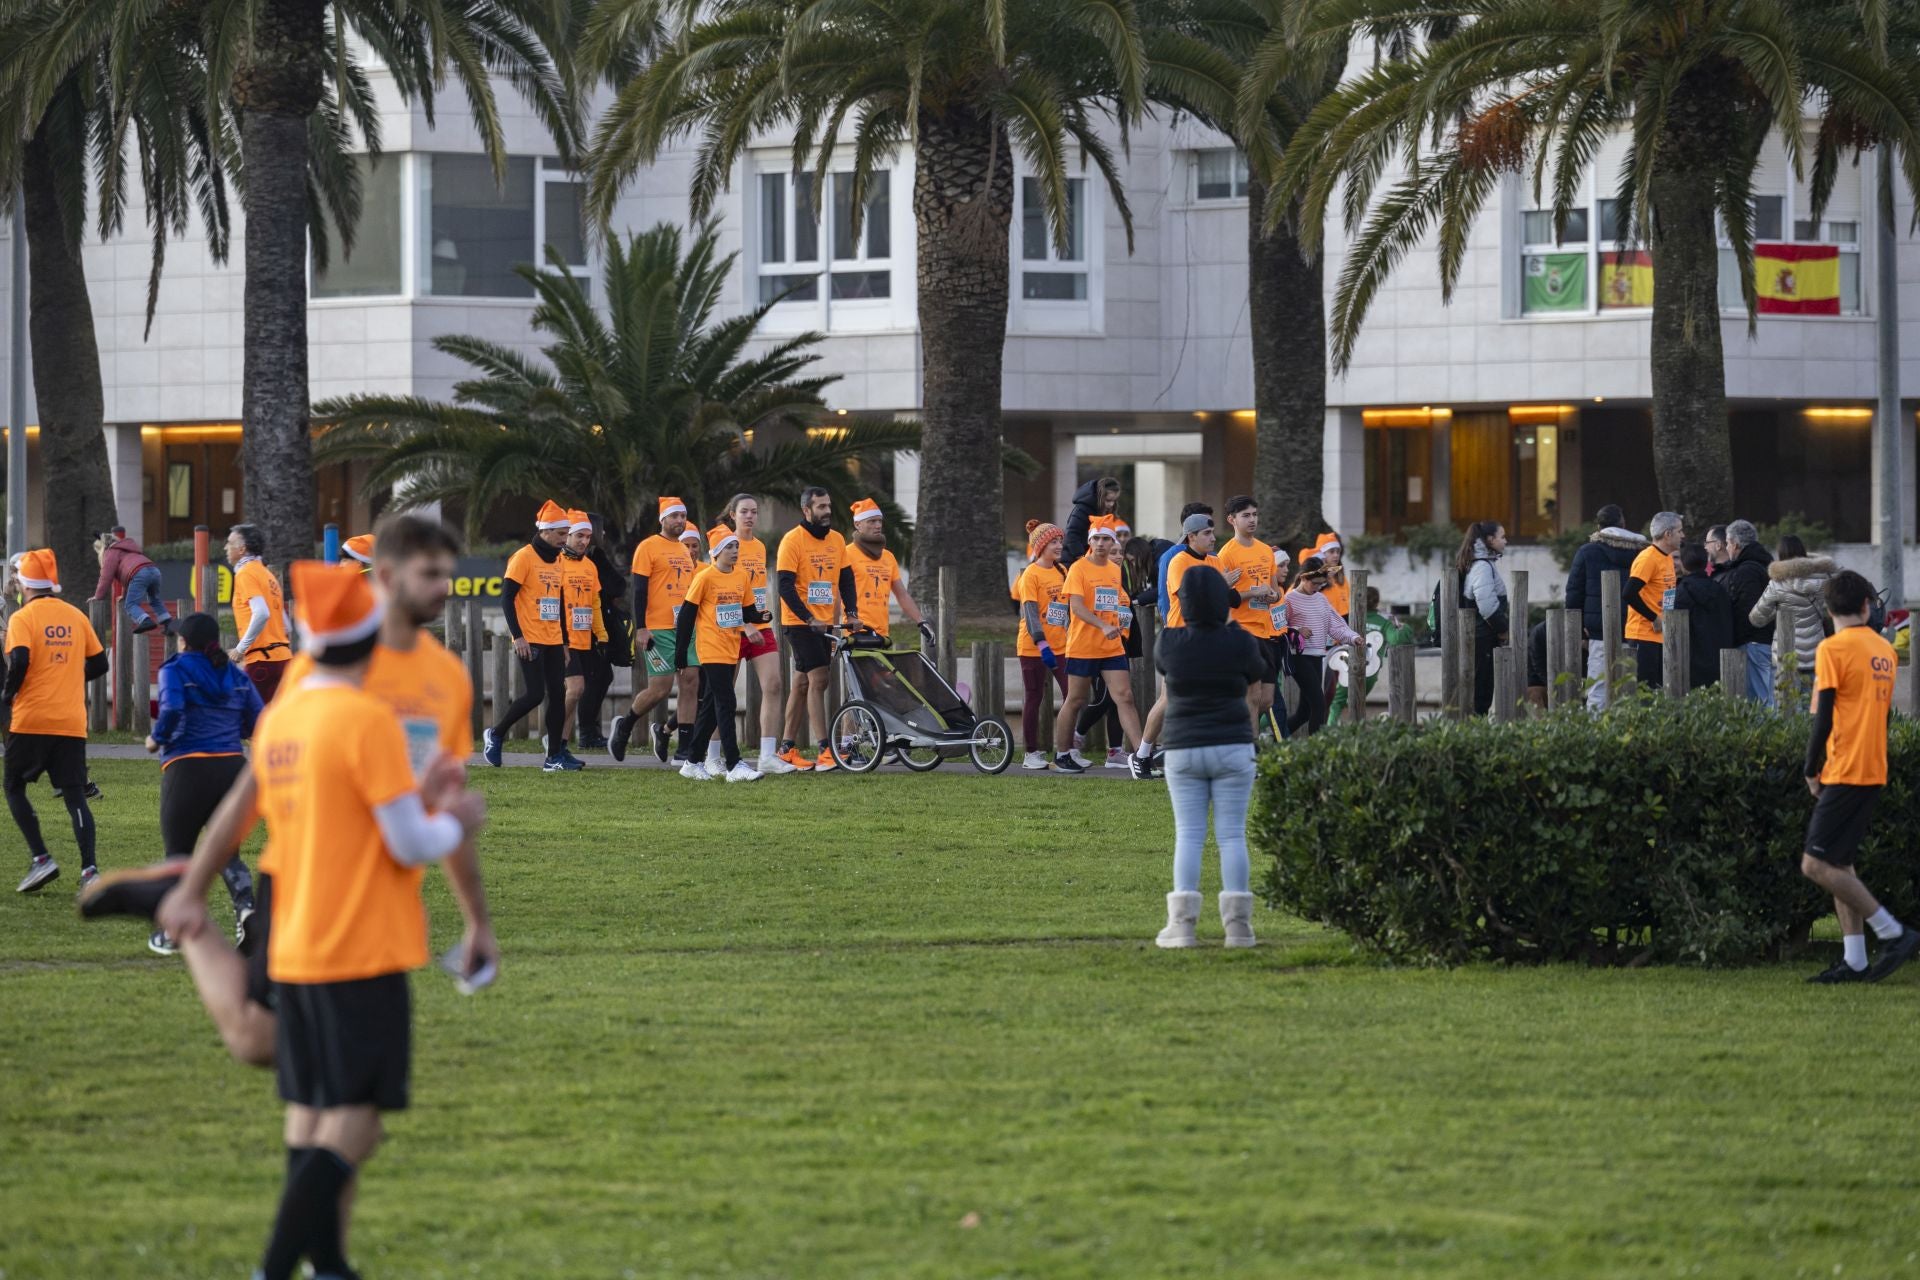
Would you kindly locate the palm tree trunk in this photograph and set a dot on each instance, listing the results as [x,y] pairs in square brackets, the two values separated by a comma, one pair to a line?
[76,487]
[963,210]
[1692,453]
[1287,313]
[277,88]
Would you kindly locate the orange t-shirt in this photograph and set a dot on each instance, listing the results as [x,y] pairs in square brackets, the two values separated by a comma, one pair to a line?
[580,601]
[1339,594]
[1098,588]
[815,566]
[1045,589]
[753,561]
[1176,570]
[538,606]
[251,579]
[1654,567]
[720,599]
[343,909]
[1858,665]
[873,579]
[58,640]
[668,567]
[1255,564]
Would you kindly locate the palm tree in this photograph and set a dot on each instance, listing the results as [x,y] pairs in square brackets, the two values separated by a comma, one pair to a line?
[1534,86]
[656,397]
[968,84]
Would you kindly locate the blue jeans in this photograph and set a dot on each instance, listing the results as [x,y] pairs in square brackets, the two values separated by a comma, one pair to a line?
[144,585]
[1220,778]
[1760,672]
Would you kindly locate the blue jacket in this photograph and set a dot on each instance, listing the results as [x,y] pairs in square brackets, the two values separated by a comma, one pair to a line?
[204,709]
[1605,550]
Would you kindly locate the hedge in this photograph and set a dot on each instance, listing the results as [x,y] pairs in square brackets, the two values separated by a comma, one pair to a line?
[1666,831]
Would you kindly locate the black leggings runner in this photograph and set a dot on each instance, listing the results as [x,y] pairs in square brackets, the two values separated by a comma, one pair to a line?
[546,673]
[1100,706]
[1312,711]
[717,709]
[593,697]
[191,788]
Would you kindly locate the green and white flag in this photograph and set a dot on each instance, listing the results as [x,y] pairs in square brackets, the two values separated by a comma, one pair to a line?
[1556,282]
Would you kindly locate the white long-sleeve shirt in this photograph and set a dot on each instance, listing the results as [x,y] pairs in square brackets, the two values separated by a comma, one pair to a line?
[1317,623]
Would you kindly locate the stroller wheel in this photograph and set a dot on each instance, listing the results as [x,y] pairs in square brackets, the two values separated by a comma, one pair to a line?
[856,737]
[919,759]
[992,745]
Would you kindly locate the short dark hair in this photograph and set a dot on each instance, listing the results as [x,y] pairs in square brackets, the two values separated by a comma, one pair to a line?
[1718,533]
[1610,517]
[1194,509]
[1847,593]
[1240,502]
[251,538]
[403,535]
[812,491]
[1693,557]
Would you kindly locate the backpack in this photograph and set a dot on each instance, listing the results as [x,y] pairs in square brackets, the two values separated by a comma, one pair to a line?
[1433,607]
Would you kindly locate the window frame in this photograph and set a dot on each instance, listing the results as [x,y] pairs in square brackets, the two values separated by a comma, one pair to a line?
[548,171]
[1238,181]
[1537,248]
[405,161]
[823,311]
[1042,316]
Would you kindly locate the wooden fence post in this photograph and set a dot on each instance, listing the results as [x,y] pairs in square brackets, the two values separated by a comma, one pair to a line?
[1357,655]
[1786,675]
[100,615]
[1446,636]
[1045,736]
[1519,616]
[139,712]
[1733,672]
[476,656]
[1557,657]
[1505,703]
[1675,651]
[1146,681]
[1465,629]
[1574,645]
[1400,691]
[947,618]
[502,647]
[122,648]
[1614,624]
[982,651]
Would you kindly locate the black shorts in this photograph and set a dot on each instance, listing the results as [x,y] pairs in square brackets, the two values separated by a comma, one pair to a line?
[811,649]
[1840,819]
[345,1044]
[62,759]
[259,929]
[1273,658]
[577,663]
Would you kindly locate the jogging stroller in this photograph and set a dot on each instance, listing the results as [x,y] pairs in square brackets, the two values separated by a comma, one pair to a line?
[897,705]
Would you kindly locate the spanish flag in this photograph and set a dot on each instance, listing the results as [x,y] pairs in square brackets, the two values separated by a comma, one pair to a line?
[1626,279]
[1797,279]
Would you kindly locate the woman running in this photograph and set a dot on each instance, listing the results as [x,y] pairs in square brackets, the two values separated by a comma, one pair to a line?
[207,708]
[761,651]
[1042,639]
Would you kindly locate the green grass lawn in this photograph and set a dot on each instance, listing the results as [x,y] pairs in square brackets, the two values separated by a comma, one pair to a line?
[915,1027]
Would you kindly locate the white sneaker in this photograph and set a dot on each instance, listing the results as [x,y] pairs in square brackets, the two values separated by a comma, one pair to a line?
[742,772]
[695,772]
[1117,759]
[774,764]
[1034,760]
[716,762]
[1079,759]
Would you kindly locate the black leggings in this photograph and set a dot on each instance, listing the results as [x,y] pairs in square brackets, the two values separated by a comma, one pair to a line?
[546,673]
[1100,706]
[1308,672]
[717,709]
[191,788]
[599,673]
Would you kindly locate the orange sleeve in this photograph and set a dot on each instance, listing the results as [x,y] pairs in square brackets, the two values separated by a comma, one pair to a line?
[383,771]
[1826,669]
[788,560]
[516,570]
[93,640]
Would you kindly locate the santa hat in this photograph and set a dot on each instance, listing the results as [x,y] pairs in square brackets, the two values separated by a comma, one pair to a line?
[552,516]
[690,536]
[1039,535]
[719,538]
[1102,525]
[38,571]
[671,506]
[360,547]
[865,509]
[1120,526]
[333,605]
[578,520]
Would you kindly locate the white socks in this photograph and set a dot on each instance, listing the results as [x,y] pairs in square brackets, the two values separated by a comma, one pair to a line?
[1856,951]
[1144,749]
[769,748]
[1883,924]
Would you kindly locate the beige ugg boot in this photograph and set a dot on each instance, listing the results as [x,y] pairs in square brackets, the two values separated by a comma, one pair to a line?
[1236,913]
[1183,912]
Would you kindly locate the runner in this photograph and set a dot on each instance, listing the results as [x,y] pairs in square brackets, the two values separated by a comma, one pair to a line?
[1247,563]
[1100,613]
[359,549]
[762,647]
[531,592]
[1136,561]
[580,609]
[51,654]
[616,650]
[1853,677]
[718,614]
[662,571]
[1196,547]
[876,576]
[207,710]
[1041,642]
[690,539]
[811,562]
[259,611]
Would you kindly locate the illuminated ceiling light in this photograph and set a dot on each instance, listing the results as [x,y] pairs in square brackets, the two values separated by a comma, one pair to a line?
[1825,414]
[841,412]
[1599,399]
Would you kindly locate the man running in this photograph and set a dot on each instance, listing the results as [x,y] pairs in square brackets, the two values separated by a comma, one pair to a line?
[718,612]
[1099,613]
[762,647]
[876,576]
[259,611]
[531,595]
[580,610]
[811,563]
[663,569]
[51,654]
[1248,566]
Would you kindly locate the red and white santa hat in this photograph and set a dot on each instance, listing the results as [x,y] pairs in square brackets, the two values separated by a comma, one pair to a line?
[866,509]
[332,605]
[552,516]
[670,506]
[578,520]
[719,538]
[39,571]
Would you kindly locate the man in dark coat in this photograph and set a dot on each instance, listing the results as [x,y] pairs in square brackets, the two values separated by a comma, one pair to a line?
[1745,578]
[1094,498]
[1709,613]
[1610,549]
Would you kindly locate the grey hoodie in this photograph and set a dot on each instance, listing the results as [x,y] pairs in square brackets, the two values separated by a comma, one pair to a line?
[1798,582]
[1485,587]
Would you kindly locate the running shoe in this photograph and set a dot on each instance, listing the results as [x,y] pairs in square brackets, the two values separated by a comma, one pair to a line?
[1141,767]
[776,764]
[87,876]
[1080,758]
[1840,972]
[40,874]
[490,747]
[1894,954]
[1117,758]
[796,762]
[1034,760]
[622,734]
[1067,764]
[243,928]
[92,790]
[574,762]
[161,945]
[595,741]
[562,763]
[716,760]
[662,742]
[742,772]
[824,762]
[695,772]
[134,892]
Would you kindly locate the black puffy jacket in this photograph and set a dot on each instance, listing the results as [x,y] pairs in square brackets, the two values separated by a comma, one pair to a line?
[1606,550]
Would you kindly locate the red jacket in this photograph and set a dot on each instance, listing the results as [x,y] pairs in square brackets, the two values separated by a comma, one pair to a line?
[118,564]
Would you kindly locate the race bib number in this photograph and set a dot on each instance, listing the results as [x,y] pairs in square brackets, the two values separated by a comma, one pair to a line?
[820,593]
[1106,599]
[423,743]
[760,599]
[582,616]
[1056,614]
[727,616]
[1277,614]
[1126,617]
[549,608]
[1666,599]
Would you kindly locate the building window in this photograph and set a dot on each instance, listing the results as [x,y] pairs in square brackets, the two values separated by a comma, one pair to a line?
[477,230]
[373,270]
[1047,272]
[862,264]
[1827,282]
[563,218]
[789,239]
[1220,173]
[1553,269]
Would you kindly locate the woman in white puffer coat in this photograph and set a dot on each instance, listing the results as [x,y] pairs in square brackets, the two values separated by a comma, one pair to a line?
[1798,579]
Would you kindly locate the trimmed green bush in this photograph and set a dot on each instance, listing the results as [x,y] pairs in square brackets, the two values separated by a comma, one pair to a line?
[1662,831]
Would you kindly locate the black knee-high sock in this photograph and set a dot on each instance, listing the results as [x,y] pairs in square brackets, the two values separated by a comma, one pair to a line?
[82,824]
[239,881]
[308,1224]
[292,1225]
[330,1176]
[28,821]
